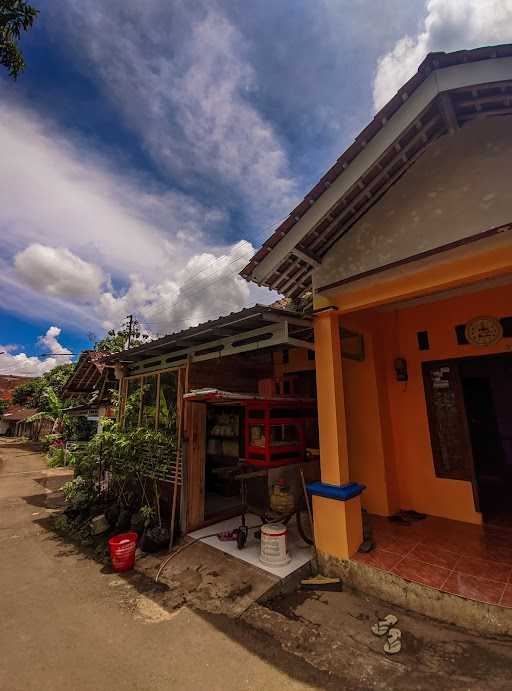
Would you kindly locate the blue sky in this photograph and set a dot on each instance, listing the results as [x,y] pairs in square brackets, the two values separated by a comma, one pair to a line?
[150,147]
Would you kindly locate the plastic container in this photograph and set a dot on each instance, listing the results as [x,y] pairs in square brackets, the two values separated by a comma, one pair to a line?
[122,551]
[274,545]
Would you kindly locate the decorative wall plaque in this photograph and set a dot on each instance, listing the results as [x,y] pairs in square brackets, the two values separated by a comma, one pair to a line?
[484,331]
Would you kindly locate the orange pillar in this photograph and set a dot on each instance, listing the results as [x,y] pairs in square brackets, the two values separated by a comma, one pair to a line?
[330,398]
[338,524]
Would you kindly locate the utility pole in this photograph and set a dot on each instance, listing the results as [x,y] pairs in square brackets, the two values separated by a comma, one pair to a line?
[130,327]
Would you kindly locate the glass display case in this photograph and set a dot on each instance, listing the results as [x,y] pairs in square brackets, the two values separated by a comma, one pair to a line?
[276,432]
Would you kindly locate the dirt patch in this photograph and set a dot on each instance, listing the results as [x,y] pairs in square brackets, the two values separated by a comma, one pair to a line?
[332,632]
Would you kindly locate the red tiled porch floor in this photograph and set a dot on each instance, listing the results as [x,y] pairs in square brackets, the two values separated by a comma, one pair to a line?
[474,562]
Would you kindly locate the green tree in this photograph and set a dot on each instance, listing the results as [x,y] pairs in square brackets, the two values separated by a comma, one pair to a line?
[3,406]
[32,394]
[54,411]
[15,16]
[116,341]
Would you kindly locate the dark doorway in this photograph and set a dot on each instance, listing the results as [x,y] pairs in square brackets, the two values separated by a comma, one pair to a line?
[487,389]
[224,448]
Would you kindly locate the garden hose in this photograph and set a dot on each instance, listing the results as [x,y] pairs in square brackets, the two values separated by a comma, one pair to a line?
[189,544]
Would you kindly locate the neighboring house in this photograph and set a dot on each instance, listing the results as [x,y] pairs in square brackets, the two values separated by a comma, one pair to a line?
[9,382]
[408,241]
[234,386]
[90,387]
[13,423]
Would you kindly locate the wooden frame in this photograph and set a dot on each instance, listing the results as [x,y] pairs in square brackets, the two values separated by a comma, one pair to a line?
[445,406]
[196,464]
[123,388]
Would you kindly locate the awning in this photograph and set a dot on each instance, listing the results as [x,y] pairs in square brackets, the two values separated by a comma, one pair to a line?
[249,329]
[220,396]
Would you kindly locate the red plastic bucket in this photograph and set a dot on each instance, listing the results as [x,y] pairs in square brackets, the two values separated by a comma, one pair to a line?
[122,551]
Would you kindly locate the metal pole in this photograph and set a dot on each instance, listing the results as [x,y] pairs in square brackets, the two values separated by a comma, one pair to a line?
[130,326]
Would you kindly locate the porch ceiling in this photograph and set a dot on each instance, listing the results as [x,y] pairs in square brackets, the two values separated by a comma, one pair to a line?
[87,374]
[397,136]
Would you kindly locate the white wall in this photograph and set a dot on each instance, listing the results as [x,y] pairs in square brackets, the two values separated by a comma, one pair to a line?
[461,186]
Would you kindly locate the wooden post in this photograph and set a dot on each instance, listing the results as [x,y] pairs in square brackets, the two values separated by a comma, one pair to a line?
[182,388]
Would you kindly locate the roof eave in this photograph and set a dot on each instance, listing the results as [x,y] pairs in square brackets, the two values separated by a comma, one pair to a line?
[438,73]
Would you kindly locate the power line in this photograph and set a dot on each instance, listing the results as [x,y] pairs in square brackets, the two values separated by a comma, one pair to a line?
[183,293]
[264,234]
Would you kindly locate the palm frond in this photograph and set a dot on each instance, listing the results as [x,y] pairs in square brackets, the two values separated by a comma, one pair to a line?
[42,415]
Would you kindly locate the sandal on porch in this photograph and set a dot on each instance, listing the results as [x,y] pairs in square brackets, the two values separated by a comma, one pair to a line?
[399,518]
[394,643]
[228,536]
[411,515]
[366,547]
[384,626]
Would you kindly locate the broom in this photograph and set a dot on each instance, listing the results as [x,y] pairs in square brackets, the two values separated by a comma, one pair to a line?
[317,582]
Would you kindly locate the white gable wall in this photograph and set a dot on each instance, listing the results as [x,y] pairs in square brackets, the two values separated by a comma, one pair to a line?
[461,186]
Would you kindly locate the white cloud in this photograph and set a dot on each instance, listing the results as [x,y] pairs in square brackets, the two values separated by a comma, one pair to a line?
[97,224]
[449,25]
[14,363]
[49,341]
[59,272]
[179,75]
[70,198]
[206,287]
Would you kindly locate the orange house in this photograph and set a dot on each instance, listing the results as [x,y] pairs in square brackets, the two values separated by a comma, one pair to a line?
[407,241]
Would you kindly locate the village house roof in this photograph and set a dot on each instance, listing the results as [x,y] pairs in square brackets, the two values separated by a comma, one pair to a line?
[248,320]
[448,90]
[86,374]
[90,384]
[17,413]
[9,382]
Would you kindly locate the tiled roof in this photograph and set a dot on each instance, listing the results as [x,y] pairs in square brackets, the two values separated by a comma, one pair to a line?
[18,413]
[291,275]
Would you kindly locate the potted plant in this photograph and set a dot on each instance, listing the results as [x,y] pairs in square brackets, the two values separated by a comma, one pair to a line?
[156,536]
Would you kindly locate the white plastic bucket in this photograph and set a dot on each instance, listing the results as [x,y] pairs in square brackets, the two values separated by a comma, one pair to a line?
[274,544]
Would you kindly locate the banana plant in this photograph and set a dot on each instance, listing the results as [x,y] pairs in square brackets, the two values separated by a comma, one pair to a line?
[55,411]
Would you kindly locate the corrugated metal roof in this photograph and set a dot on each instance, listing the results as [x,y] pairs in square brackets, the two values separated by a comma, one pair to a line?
[234,323]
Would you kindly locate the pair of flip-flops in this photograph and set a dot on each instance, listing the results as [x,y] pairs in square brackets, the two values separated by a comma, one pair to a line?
[407,517]
[387,627]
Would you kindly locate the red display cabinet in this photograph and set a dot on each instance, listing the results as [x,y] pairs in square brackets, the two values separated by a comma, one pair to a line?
[276,431]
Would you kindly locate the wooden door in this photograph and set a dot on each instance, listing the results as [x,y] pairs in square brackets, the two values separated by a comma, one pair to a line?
[449,432]
[196,458]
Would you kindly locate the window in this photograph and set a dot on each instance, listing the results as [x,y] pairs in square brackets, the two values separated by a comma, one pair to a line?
[132,405]
[284,435]
[148,417]
[141,407]
[168,402]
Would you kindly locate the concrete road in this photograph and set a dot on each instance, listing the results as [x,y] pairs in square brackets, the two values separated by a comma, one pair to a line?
[67,624]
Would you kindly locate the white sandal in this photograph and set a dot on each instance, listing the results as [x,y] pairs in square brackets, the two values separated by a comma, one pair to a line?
[382,628]
[394,643]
